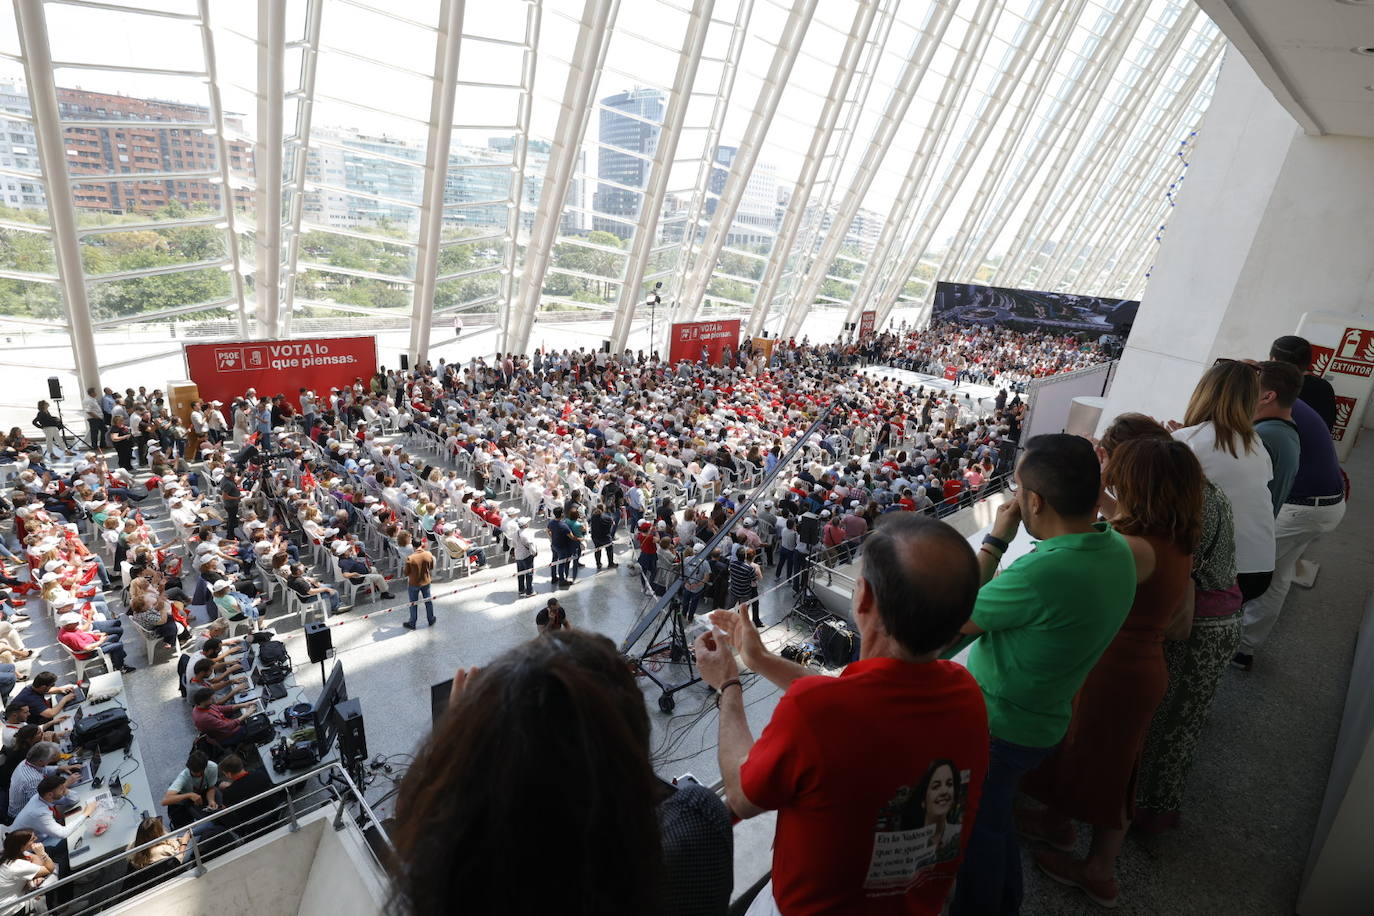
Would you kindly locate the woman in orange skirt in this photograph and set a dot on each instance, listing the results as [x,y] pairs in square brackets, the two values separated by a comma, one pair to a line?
[1158,488]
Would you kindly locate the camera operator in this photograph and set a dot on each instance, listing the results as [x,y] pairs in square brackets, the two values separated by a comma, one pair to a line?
[51,427]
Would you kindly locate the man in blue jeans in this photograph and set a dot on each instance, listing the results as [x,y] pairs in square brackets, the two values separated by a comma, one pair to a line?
[419,570]
[1040,626]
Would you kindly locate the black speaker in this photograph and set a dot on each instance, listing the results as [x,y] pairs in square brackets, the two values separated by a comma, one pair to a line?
[319,642]
[54,388]
[809,528]
[605,346]
[405,362]
[348,725]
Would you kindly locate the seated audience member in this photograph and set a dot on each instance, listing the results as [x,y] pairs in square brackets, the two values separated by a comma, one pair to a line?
[43,759]
[239,785]
[38,698]
[170,847]
[24,866]
[1041,626]
[307,587]
[1157,490]
[40,815]
[551,712]
[218,722]
[870,820]
[86,643]
[358,570]
[194,791]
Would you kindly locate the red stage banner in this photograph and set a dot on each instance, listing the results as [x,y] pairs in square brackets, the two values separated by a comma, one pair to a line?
[691,337]
[952,372]
[867,321]
[223,371]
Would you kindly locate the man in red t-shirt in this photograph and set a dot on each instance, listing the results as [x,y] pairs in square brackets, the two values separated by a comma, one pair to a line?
[876,774]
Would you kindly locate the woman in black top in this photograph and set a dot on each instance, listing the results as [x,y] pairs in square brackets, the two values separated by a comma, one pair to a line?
[122,438]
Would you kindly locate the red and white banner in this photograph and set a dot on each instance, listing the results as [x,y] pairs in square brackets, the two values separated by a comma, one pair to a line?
[867,321]
[691,338]
[952,373]
[1343,354]
[223,371]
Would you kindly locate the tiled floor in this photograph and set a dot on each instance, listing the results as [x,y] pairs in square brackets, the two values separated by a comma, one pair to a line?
[1240,850]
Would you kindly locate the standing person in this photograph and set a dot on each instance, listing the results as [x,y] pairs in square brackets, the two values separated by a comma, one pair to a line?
[561,546]
[1092,775]
[874,818]
[123,441]
[1041,626]
[1317,392]
[1279,386]
[52,429]
[696,575]
[1314,505]
[457,326]
[745,576]
[95,419]
[231,496]
[1219,427]
[419,570]
[602,529]
[525,551]
[647,543]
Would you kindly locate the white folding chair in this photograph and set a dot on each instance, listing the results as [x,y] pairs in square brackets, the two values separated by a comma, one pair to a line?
[97,658]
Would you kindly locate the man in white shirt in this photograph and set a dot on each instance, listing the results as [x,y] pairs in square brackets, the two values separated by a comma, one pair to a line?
[41,814]
[95,418]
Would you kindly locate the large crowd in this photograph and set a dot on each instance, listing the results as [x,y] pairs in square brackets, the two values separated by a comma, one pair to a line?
[332,499]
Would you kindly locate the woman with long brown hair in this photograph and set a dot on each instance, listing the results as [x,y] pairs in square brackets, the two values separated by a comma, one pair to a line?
[535,795]
[1158,490]
[1219,427]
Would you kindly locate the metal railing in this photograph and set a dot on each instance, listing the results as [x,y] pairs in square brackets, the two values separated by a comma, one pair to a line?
[114,881]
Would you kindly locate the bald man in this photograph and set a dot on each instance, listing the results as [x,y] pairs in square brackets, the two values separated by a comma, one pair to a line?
[875,773]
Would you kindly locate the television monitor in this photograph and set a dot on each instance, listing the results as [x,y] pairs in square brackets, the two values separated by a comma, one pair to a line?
[335,692]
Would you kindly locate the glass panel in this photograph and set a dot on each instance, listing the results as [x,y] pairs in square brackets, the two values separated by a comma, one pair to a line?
[29,252]
[489,217]
[322,286]
[116,252]
[471,256]
[469,185]
[450,293]
[24,201]
[329,249]
[580,289]
[125,39]
[111,202]
[342,210]
[30,299]
[129,298]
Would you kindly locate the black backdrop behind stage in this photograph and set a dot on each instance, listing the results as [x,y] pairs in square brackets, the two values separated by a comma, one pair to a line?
[1028,310]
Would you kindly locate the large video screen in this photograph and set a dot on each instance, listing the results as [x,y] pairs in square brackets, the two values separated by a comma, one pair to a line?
[968,303]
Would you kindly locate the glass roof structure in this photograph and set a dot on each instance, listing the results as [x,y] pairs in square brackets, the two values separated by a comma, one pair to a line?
[269,168]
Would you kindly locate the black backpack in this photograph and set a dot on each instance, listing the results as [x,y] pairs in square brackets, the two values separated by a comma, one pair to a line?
[273,653]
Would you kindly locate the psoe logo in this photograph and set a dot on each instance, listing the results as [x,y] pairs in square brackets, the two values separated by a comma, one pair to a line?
[1345,409]
[228,359]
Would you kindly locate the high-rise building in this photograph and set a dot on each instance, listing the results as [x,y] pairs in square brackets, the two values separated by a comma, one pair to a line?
[348,184]
[757,217]
[133,143]
[19,151]
[630,124]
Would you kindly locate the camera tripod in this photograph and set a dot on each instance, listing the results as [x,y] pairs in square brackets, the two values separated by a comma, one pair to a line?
[67,435]
[678,648]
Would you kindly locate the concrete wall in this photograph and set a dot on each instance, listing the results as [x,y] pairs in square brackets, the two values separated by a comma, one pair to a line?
[315,871]
[1271,223]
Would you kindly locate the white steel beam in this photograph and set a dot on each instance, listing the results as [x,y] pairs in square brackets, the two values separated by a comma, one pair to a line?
[310,49]
[1034,88]
[929,151]
[42,86]
[226,191]
[1086,183]
[656,188]
[267,163]
[746,156]
[894,113]
[448,44]
[859,29]
[593,37]
[1082,97]
[969,148]
[529,61]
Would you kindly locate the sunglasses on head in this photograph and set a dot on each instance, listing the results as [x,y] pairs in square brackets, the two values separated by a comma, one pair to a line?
[1223,360]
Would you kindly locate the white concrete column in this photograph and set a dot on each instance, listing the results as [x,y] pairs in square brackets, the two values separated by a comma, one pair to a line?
[1272,223]
[305,111]
[446,48]
[33,42]
[267,164]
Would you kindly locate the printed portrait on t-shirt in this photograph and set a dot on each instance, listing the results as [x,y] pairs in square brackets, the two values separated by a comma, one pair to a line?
[919,828]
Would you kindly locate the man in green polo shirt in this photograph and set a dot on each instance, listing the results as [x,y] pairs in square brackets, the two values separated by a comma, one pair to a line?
[1041,626]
